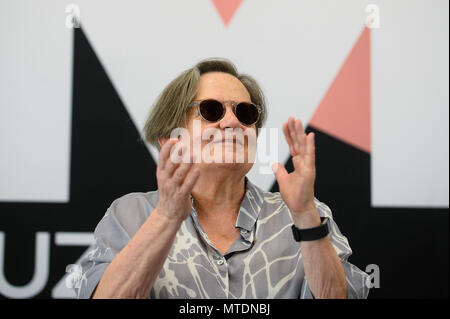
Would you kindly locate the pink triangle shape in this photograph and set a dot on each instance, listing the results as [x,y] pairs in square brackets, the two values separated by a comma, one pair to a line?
[344,111]
[226,9]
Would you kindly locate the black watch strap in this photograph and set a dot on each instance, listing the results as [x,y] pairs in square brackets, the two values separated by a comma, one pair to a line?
[311,233]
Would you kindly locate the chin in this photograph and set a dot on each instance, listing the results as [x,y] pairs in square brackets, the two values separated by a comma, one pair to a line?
[231,167]
[231,158]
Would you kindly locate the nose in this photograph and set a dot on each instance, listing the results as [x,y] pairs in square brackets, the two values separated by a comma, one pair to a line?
[229,120]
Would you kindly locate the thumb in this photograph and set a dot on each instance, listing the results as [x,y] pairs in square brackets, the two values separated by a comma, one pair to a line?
[279,171]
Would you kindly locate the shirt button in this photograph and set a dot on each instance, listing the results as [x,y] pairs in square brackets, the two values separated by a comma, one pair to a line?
[243,231]
[220,262]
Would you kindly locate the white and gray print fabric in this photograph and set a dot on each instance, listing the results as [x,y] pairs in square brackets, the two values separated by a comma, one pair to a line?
[263,262]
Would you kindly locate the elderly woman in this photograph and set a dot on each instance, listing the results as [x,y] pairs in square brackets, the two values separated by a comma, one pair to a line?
[208,232]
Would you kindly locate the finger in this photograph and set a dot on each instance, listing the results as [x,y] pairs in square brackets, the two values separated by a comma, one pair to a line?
[165,152]
[301,137]
[180,173]
[190,180]
[176,158]
[287,135]
[291,127]
[298,162]
[280,172]
[310,150]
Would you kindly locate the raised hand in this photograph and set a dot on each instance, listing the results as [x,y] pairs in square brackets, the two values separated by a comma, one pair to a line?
[175,183]
[297,188]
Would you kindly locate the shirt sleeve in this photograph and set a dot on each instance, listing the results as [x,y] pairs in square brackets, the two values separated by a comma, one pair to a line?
[120,222]
[356,278]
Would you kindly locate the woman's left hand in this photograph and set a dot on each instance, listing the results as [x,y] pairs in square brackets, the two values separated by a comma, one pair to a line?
[297,187]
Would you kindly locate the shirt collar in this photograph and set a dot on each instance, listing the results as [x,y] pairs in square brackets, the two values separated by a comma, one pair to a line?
[250,207]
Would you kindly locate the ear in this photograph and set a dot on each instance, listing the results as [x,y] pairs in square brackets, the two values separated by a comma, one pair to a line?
[162,141]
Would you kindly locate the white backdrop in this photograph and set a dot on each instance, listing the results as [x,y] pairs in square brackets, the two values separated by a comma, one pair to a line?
[294,48]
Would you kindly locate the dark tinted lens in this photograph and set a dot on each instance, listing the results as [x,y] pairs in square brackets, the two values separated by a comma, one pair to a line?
[211,110]
[247,113]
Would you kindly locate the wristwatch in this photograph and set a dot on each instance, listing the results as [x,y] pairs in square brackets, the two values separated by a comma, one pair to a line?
[310,234]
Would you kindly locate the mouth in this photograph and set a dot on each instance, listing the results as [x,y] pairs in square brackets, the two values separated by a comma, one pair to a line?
[228,141]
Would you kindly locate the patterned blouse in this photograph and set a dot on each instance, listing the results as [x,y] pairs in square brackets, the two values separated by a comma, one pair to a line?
[263,262]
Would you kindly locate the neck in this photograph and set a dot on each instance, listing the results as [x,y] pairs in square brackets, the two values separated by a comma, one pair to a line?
[218,190]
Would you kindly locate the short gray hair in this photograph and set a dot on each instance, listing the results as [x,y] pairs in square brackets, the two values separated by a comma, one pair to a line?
[171,106]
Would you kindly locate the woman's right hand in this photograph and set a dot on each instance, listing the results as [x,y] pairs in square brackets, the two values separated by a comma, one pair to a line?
[175,183]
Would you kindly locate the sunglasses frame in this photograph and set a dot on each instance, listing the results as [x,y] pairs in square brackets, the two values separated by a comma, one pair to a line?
[233,104]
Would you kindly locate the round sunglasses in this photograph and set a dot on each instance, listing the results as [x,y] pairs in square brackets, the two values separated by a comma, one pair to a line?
[212,110]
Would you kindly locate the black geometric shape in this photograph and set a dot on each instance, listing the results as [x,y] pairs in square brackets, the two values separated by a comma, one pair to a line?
[108,160]
[108,154]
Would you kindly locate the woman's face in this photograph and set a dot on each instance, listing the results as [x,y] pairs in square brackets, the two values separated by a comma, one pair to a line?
[223,151]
